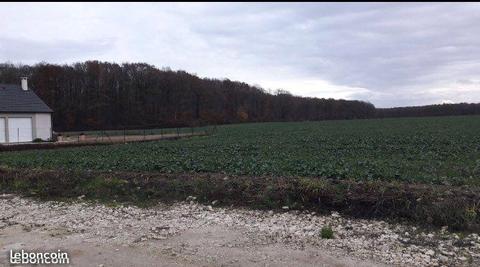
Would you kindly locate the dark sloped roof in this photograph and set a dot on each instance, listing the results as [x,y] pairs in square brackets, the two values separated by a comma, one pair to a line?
[14,99]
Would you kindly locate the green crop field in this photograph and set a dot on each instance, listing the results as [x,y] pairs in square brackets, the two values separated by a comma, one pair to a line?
[432,150]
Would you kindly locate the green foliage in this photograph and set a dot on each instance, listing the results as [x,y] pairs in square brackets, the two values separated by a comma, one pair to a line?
[440,150]
[326,232]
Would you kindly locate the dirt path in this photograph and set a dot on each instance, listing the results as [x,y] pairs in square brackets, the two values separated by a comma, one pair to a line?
[92,140]
[189,234]
[204,246]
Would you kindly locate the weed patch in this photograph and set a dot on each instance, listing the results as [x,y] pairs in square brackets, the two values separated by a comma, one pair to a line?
[327,232]
[437,205]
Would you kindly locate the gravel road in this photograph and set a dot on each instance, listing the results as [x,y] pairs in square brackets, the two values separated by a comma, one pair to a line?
[190,234]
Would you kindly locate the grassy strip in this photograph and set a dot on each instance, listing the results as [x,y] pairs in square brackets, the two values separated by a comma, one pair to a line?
[437,205]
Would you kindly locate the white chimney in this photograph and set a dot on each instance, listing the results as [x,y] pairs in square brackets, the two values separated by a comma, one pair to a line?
[24,83]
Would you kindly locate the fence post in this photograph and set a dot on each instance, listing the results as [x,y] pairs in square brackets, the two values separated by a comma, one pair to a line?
[18,135]
[124,137]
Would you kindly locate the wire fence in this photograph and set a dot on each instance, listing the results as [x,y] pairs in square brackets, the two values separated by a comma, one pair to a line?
[20,135]
[129,134]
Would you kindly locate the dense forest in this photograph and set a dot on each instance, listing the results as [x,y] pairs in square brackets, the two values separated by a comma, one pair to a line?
[101,95]
[430,110]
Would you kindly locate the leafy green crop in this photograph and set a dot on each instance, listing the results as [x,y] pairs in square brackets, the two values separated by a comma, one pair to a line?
[427,150]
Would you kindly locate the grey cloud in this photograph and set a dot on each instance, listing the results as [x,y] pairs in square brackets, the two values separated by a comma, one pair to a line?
[400,54]
[382,47]
[32,51]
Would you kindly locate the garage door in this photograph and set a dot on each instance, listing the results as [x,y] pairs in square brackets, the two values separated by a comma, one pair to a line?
[2,131]
[19,130]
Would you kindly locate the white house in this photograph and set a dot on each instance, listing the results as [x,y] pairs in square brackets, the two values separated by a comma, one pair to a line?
[24,117]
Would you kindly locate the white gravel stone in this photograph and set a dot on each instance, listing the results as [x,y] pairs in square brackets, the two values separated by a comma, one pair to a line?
[430,252]
[376,240]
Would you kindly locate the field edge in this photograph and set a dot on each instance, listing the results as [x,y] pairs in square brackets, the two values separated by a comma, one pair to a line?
[457,207]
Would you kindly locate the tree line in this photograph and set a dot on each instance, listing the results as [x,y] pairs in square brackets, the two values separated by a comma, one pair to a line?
[102,95]
[96,95]
[430,110]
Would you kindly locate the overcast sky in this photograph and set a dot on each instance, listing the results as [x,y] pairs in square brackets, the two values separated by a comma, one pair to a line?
[387,54]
